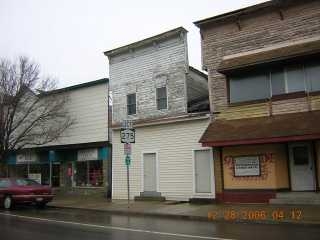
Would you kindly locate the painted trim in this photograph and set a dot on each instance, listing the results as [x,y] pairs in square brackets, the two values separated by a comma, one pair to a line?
[161,121]
[310,153]
[316,160]
[260,140]
[212,177]
[157,170]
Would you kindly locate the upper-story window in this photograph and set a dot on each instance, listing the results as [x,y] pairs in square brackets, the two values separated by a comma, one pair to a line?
[276,81]
[131,104]
[162,98]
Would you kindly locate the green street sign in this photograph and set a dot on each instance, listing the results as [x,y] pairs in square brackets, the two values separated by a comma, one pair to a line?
[128,160]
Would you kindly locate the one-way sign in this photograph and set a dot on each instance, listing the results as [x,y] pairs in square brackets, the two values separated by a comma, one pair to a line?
[127,135]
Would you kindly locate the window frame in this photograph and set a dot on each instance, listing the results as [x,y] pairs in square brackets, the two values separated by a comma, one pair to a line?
[286,94]
[87,182]
[157,98]
[132,104]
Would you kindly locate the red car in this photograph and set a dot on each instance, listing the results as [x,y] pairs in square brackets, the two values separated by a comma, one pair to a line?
[23,190]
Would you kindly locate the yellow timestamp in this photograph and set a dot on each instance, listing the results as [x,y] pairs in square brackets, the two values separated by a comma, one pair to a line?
[256,215]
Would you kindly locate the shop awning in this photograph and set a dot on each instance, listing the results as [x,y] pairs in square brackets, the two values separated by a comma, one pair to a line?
[266,55]
[273,129]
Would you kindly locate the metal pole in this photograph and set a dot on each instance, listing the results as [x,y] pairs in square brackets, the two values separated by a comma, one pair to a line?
[128,185]
[50,173]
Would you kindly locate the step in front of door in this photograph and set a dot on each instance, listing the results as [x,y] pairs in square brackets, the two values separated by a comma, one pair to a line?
[150,196]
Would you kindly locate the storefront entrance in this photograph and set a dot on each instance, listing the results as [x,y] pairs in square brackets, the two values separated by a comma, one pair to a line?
[302,167]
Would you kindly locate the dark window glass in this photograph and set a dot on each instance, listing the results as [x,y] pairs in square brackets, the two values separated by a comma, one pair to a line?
[89,173]
[295,78]
[26,182]
[162,98]
[131,104]
[300,155]
[81,174]
[44,170]
[95,173]
[252,87]
[278,82]
[313,76]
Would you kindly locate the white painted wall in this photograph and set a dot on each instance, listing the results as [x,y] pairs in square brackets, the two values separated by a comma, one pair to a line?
[174,144]
[89,107]
[142,70]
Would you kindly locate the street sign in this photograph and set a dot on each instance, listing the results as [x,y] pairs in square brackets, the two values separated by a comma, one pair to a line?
[127,148]
[127,123]
[128,160]
[127,135]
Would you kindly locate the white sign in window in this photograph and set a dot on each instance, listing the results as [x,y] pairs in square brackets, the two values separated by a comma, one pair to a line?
[26,157]
[35,176]
[246,166]
[87,154]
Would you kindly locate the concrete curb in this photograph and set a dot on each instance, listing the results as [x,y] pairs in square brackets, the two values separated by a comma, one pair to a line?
[189,217]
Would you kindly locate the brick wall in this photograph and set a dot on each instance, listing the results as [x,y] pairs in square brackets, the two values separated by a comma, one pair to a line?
[258,30]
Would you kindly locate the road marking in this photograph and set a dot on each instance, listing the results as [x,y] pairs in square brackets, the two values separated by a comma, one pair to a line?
[115,228]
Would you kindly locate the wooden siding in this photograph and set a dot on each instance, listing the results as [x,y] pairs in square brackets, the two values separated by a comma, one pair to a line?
[244,111]
[174,144]
[272,107]
[258,30]
[89,107]
[142,70]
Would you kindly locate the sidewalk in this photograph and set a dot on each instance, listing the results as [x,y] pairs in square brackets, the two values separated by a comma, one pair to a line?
[257,213]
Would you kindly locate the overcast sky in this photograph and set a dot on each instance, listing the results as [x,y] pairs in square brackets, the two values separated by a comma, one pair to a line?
[68,37]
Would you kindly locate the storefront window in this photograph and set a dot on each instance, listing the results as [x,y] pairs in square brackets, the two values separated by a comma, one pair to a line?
[19,170]
[89,173]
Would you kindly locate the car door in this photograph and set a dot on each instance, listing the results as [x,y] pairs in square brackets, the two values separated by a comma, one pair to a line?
[4,184]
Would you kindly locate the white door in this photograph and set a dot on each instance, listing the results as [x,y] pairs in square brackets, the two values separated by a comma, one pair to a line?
[203,171]
[302,167]
[150,172]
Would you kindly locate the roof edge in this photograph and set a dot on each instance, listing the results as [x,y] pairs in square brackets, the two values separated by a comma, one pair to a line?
[245,10]
[143,42]
[77,86]
[198,72]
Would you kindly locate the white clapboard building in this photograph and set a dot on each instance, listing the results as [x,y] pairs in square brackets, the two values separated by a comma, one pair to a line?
[153,85]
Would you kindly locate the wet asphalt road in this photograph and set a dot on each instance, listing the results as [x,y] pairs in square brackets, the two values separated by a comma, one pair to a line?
[28,223]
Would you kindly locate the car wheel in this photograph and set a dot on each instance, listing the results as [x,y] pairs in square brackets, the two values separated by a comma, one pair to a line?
[7,202]
[41,205]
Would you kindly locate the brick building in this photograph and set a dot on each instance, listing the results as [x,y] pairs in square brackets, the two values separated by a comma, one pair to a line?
[264,83]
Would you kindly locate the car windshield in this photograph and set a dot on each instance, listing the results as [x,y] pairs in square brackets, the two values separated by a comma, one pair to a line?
[26,182]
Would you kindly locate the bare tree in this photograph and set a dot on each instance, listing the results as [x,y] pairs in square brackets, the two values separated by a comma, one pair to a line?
[31,112]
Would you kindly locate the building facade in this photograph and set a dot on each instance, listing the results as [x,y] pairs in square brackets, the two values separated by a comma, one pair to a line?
[264,82]
[81,158]
[153,85]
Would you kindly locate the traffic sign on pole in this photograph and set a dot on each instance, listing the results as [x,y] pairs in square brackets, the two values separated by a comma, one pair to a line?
[127,149]
[127,135]
[128,160]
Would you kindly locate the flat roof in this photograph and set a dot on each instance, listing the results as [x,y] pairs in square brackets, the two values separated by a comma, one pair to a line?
[145,41]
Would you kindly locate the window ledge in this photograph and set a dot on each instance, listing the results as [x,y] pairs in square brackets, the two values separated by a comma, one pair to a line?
[248,102]
[289,96]
[78,187]
[315,93]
